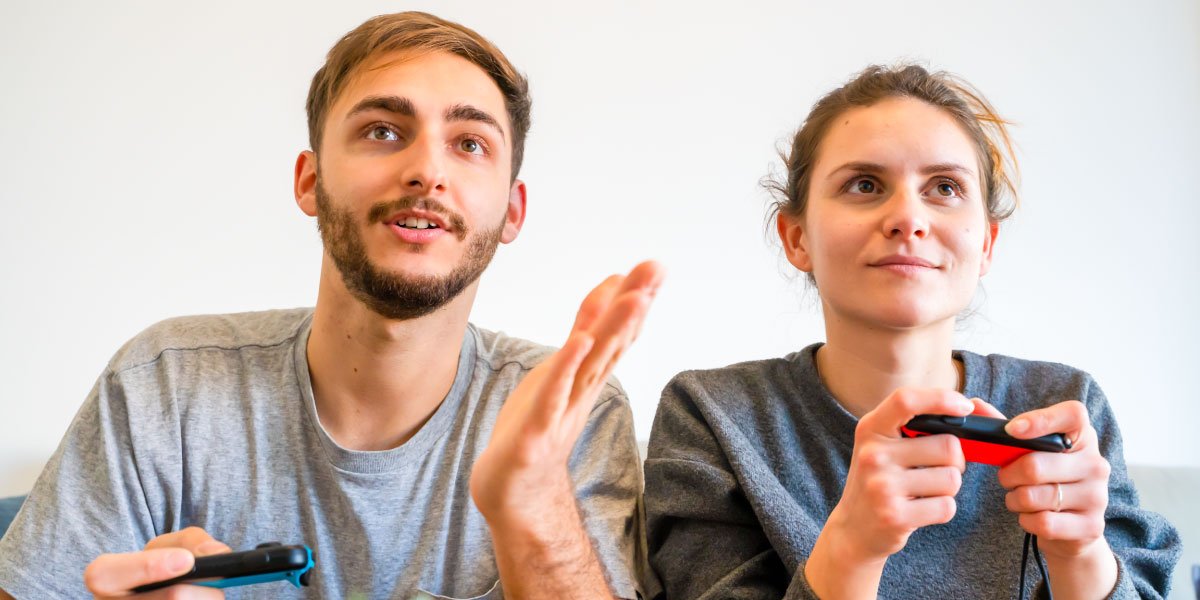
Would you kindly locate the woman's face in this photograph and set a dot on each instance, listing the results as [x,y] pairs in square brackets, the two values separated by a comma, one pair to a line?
[895,232]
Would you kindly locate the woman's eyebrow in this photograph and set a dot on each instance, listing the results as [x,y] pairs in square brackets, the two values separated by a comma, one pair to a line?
[947,167]
[859,167]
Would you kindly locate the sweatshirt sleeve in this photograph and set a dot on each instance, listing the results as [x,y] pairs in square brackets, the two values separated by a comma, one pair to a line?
[1147,547]
[705,541]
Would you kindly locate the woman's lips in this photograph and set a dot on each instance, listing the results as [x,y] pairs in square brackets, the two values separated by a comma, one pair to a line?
[905,265]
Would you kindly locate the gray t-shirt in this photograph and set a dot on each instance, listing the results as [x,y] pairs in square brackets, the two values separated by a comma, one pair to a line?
[746,462]
[210,421]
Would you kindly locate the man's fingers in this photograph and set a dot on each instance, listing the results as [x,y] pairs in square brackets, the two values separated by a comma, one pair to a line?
[612,336]
[190,538]
[1068,417]
[182,592]
[596,303]
[646,276]
[554,391]
[211,548]
[905,403]
[116,574]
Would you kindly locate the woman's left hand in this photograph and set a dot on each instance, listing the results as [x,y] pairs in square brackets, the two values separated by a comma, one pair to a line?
[1059,497]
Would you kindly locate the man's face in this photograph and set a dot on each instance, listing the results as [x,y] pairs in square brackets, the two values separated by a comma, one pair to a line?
[412,189]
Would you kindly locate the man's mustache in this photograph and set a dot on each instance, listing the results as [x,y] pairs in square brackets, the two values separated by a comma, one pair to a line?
[383,210]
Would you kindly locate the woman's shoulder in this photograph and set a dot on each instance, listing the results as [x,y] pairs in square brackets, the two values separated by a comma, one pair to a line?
[1019,383]
[752,377]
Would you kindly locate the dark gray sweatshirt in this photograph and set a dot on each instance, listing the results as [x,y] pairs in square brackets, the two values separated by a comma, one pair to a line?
[746,462]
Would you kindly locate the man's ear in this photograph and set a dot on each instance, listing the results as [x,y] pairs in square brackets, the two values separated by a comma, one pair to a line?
[794,240]
[305,184]
[514,218]
[989,244]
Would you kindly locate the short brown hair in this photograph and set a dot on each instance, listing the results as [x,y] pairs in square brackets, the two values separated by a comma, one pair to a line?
[941,89]
[421,32]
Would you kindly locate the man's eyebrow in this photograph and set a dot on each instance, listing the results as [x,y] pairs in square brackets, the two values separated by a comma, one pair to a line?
[466,112]
[392,104]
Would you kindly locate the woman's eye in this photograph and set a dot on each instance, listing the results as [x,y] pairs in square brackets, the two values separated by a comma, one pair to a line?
[470,146]
[864,186]
[383,134]
[947,189]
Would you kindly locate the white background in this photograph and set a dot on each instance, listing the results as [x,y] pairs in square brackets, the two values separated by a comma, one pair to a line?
[146,154]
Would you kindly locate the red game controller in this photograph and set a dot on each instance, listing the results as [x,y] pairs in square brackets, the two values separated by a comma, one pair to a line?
[983,439]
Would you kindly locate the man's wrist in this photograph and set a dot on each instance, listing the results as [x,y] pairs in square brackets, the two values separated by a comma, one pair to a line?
[539,517]
[551,551]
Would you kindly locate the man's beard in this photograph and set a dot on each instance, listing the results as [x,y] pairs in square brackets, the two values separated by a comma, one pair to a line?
[394,295]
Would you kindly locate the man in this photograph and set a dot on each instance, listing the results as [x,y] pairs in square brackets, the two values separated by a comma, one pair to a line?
[415,453]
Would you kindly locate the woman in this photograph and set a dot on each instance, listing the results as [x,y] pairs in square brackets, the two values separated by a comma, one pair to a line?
[790,477]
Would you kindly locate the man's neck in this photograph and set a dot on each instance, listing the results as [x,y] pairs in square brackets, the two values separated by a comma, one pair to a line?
[862,365]
[376,381]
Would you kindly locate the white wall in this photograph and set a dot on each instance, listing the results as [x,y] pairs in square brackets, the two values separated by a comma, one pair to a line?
[146,153]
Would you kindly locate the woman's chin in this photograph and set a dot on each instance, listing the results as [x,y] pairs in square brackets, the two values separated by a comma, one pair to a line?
[907,318]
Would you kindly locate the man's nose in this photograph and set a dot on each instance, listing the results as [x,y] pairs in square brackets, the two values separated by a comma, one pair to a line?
[423,171]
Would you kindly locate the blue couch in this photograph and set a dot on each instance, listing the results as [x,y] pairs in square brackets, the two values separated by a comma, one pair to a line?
[8,510]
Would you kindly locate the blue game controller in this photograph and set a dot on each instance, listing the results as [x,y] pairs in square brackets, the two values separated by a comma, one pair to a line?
[267,562]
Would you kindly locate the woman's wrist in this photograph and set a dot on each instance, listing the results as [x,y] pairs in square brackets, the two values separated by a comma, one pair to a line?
[835,570]
[1087,575]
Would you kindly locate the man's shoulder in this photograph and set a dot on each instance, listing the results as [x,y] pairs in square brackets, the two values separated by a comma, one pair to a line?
[501,354]
[497,349]
[235,331]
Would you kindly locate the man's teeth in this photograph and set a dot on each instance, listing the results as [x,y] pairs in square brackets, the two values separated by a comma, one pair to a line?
[415,223]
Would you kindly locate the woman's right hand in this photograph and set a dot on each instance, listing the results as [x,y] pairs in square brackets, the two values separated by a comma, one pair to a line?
[166,556]
[895,485]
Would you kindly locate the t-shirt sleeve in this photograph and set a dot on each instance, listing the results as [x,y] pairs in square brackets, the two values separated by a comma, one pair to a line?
[1147,547]
[606,470]
[87,501]
[705,540]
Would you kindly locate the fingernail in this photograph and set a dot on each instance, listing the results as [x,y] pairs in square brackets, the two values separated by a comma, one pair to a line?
[179,561]
[1017,426]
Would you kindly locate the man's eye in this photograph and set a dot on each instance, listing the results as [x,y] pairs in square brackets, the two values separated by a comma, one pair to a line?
[383,134]
[470,146]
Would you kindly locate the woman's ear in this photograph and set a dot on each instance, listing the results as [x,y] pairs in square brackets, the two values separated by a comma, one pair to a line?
[794,240]
[989,243]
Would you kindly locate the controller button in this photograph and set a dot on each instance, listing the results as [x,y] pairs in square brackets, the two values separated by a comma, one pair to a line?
[958,421]
[268,545]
